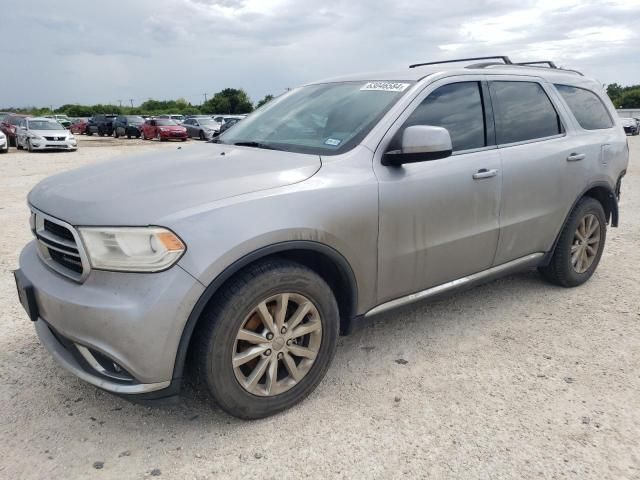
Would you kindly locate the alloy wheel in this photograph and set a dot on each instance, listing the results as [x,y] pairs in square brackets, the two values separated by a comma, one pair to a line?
[586,242]
[277,344]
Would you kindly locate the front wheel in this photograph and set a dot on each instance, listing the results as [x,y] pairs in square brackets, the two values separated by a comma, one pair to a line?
[579,248]
[267,339]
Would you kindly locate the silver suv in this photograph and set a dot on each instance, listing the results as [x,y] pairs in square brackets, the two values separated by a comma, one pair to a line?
[338,200]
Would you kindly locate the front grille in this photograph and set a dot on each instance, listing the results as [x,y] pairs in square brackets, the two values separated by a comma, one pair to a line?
[59,246]
[53,139]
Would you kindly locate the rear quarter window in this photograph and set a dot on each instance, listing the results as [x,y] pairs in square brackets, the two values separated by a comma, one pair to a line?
[523,112]
[586,106]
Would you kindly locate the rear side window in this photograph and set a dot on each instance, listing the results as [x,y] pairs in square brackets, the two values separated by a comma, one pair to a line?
[458,108]
[523,112]
[587,107]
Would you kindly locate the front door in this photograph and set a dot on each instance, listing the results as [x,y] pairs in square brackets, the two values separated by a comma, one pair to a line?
[439,218]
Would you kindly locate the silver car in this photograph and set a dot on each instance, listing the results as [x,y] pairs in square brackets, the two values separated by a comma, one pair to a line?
[338,200]
[203,128]
[44,134]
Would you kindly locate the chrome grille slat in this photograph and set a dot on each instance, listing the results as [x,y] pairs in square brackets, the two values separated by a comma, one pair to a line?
[57,241]
[59,246]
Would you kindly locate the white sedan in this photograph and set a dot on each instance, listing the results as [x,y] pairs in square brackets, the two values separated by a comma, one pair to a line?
[4,143]
[44,134]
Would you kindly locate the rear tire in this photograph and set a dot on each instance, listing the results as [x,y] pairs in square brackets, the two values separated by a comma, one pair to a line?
[579,248]
[304,300]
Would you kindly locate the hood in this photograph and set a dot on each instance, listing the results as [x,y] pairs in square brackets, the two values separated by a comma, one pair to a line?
[142,190]
[50,133]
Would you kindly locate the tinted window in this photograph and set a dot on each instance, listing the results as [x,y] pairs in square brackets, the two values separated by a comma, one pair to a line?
[458,108]
[588,109]
[523,111]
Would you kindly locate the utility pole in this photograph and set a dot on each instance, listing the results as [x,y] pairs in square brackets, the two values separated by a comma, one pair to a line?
[131,100]
[120,102]
[205,97]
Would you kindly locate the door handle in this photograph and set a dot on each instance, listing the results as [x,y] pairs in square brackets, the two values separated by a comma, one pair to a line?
[576,157]
[485,173]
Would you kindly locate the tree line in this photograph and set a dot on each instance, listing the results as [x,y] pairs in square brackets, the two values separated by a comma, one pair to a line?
[227,101]
[624,97]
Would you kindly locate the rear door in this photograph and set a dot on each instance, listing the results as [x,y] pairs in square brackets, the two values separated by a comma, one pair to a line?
[439,218]
[542,164]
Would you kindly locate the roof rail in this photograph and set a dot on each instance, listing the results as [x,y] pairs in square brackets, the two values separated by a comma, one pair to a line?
[504,58]
[548,63]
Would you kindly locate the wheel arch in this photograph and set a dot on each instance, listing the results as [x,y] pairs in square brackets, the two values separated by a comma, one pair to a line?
[327,262]
[603,193]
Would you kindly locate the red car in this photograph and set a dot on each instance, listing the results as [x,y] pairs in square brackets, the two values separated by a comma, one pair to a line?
[9,125]
[163,129]
[79,126]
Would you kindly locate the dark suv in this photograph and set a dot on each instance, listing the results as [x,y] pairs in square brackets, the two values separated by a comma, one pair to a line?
[129,125]
[100,124]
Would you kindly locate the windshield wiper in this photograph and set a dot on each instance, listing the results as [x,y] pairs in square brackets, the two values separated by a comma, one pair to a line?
[255,145]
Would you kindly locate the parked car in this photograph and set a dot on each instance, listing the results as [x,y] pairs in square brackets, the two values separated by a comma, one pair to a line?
[203,128]
[630,125]
[228,123]
[335,201]
[78,126]
[100,124]
[175,117]
[4,143]
[163,129]
[9,125]
[61,119]
[40,133]
[129,125]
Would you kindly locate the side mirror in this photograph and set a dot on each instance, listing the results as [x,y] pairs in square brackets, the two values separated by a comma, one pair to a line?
[420,143]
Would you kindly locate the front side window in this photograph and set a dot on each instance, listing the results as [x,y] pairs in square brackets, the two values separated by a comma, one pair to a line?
[523,112]
[586,106]
[456,107]
[321,119]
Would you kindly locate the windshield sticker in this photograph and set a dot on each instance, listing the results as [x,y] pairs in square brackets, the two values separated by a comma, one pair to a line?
[332,141]
[385,86]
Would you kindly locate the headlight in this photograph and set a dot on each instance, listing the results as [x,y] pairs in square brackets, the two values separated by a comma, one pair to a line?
[71,137]
[33,136]
[131,249]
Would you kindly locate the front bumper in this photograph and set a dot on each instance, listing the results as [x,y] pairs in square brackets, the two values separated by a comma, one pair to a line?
[132,319]
[4,144]
[44,144]
[176,135]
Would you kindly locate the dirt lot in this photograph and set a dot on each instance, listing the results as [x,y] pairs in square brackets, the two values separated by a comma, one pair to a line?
[515,379]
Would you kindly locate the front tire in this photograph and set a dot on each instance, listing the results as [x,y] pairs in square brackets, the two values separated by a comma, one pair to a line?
[267,339]
[580,246]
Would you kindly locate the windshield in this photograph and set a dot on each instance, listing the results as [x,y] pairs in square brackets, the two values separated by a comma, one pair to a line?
[165,122]
[206,121]
[135,119]
[44,125]
[323,119]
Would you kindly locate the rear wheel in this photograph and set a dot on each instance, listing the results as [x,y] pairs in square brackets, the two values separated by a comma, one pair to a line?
[579,248]
[267,339]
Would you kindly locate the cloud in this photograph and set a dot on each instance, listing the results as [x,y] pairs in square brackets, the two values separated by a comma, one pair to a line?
[183,48]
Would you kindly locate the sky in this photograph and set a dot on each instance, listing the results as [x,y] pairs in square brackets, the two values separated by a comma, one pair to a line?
[84,51]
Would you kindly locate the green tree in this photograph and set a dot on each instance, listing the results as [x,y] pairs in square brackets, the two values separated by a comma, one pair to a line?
[614,90]
[229,100]
[630,98]
[266,99]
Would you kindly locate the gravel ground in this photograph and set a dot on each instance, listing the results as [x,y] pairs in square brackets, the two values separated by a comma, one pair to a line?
[513,379]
